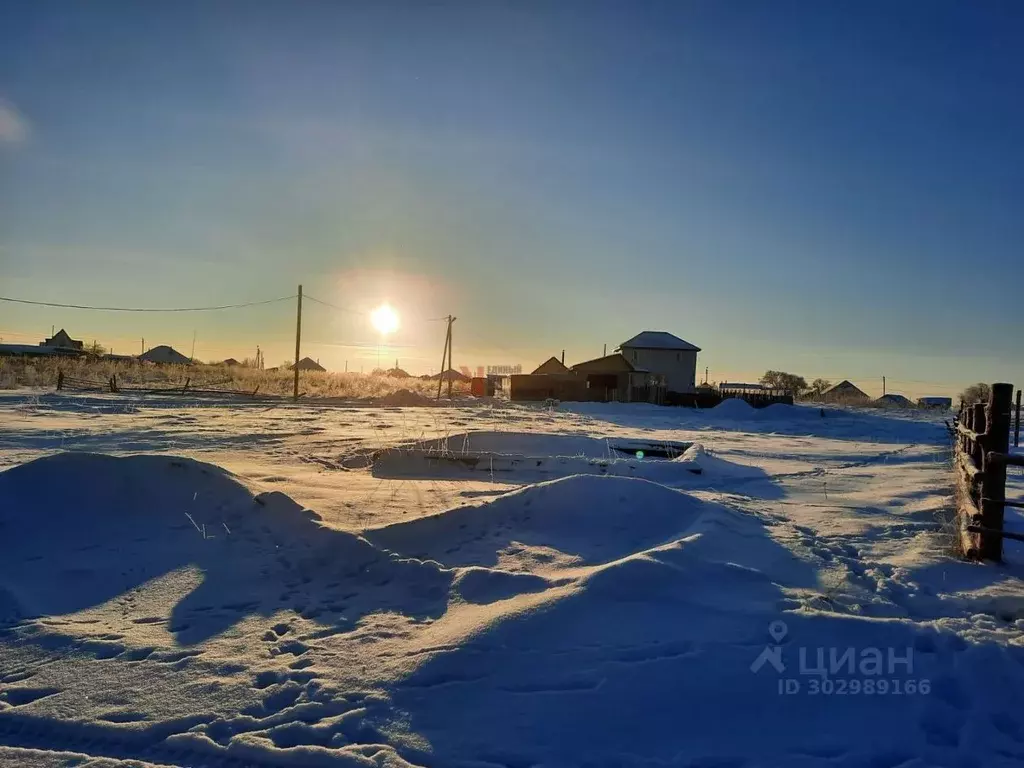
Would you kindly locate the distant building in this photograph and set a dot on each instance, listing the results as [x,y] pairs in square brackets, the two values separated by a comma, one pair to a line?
[307,364]
[935,402]
[504,370]
[26,350]
[450,375]
[614,377]
[231,362]
[666,355]
[895,400]
[844,392]
[164,355]
[61,340]
[551,365]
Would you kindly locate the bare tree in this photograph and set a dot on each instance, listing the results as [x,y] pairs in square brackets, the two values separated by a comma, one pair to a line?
[976,393]
[819,387]
[787,382]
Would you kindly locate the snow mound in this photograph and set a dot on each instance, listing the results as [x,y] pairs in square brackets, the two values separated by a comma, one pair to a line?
[90,527]
[734,408]
[486,585]
[404,397]
[590,518]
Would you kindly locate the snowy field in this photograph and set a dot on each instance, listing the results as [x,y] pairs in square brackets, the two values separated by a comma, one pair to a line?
[496,586]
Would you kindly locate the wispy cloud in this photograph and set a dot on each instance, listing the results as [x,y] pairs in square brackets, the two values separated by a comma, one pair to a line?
[14,126]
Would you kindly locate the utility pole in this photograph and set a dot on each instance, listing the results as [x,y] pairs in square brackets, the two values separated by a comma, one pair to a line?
[143,346]
[883,386]
[705,374]
[346,366]
[563,357]
[444,355]
[450,321]
[604,352]
[192,357]
[298,339]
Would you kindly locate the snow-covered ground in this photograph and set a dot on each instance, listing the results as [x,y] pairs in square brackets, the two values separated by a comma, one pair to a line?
[201,583]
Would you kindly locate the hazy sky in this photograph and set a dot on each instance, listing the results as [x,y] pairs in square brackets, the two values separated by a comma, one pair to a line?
[831,188]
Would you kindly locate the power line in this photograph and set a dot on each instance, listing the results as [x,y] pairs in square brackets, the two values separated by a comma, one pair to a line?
[146,309]
[307,297]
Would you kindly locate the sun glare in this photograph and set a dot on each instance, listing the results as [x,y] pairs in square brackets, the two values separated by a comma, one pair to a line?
[384,319]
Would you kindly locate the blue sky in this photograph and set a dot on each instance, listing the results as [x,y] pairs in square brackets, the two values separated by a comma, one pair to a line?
[795,185]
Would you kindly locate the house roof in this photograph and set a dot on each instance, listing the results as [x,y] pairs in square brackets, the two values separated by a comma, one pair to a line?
[450,374]
[893,399]
[615,363]
[164,354]
[307,364]
[551,365]
[61,338]
[844,387]
[658,340]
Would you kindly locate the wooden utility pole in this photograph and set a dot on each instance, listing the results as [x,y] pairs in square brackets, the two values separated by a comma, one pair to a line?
[192,357]
[444,355]
[450,321]
[143,345]
[298,339]
[883,386]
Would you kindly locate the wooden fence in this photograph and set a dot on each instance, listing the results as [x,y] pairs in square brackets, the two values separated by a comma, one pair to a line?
[981,455]
[113,385]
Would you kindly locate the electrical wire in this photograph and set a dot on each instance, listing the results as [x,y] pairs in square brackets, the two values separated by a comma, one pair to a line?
[332,306]
[146,309]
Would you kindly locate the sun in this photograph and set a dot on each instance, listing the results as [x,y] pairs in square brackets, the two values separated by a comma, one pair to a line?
[384,319]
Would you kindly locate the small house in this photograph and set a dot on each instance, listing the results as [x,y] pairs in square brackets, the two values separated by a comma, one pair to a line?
[844,392]
[61,340]
[894,400]
[614,377]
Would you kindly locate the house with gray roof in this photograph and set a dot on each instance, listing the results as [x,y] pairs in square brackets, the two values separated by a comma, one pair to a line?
[664,354]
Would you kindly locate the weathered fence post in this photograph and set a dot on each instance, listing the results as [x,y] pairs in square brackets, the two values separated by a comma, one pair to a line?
[977,446]
[185,388]
[60,380]
[996,440]
[1016,425]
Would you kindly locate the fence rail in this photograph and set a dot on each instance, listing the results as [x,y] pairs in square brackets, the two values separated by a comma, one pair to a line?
[113,385]
[981,434]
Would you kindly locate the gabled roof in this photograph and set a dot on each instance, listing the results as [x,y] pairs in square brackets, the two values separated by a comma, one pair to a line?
[164,354]
[893,398]
[307,364]
[615,363]
[450,375]
[844,387]
[551,365]
[658,340]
